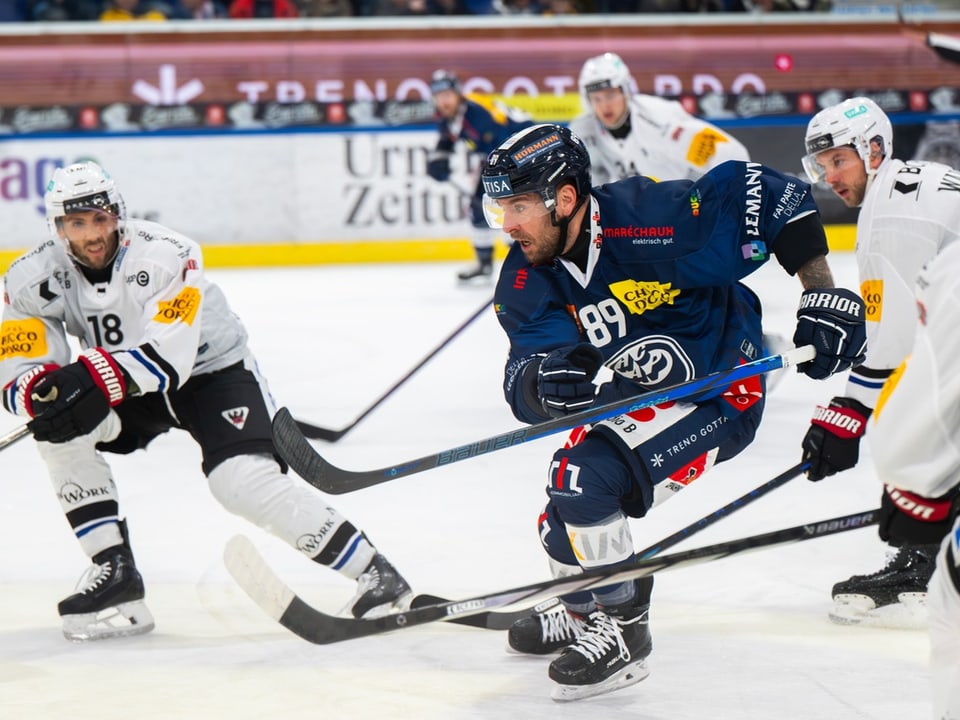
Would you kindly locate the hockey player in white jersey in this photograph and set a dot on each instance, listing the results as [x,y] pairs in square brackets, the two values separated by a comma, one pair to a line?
[909,211]
[629,133]
[161,350]
[914,438]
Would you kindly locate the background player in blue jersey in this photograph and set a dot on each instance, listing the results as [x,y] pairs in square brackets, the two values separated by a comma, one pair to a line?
[481,124]
[643,278]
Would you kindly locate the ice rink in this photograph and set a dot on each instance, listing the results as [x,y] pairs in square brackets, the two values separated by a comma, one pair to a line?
[744,638]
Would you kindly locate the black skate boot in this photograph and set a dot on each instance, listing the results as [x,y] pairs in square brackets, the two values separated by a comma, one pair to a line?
[380,589]
[479,271]
[109,601]
[895,596]
[609,655]
[545,632]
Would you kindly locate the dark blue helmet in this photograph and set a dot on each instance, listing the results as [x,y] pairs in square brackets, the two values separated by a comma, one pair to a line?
[538,159]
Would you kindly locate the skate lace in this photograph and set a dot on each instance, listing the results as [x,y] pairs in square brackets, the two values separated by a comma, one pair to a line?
[558,624]
[602,634]
[93,577]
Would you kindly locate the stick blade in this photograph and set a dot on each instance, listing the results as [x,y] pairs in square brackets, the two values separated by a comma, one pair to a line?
[315,432]
[298,453]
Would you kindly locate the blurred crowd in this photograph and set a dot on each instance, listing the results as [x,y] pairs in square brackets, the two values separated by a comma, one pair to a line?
[161,10]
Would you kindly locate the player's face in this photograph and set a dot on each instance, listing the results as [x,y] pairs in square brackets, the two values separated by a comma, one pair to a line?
[92,235]
[610,106]
[843,171]
[447,102]
[529,224]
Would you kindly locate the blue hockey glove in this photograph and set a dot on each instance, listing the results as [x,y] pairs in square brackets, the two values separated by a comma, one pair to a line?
[71,401]
[565,379]
[438,166]
[832,442]
[832,320]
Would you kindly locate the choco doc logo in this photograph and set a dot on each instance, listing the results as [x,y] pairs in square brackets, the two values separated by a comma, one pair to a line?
[22,338]
[642,296]
[872,293]
[183,307]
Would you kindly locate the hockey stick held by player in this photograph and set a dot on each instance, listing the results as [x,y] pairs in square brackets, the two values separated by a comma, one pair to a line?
[648,274]
[163,351]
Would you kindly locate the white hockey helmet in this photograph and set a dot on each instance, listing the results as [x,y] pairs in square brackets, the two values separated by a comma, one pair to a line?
[604,71]
[855,122]
[80,187]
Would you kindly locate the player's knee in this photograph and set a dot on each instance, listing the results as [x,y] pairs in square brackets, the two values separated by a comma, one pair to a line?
[588,482]
[244,483]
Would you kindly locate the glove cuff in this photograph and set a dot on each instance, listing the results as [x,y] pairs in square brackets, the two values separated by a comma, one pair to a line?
[106,373]
[843,421]
[16,395]
[913,519]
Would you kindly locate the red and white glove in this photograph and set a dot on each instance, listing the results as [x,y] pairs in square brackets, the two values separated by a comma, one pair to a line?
[908,518]
[16,395]
[832,443]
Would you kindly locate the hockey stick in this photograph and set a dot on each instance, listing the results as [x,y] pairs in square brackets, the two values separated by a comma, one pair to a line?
[503,620]
[315,432]
[252,573]
[310,465]
[11,437]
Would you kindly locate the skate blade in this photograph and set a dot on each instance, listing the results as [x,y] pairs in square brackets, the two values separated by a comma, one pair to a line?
[400,604]
[123,620]
[910,613]
[629,675]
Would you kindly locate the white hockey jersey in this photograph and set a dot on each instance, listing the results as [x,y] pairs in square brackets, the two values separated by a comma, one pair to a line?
[665,142]
[915,438]
[910,213]
[158,315]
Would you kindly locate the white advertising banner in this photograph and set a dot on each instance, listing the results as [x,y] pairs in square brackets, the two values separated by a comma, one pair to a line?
[288,187]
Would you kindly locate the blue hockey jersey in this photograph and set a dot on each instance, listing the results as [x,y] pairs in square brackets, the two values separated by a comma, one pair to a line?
[482,124]
[661,297]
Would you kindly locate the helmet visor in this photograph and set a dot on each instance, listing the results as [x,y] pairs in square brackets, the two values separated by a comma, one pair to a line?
[514,210]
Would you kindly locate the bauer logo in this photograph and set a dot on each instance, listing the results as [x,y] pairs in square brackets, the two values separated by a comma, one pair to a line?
[497,186]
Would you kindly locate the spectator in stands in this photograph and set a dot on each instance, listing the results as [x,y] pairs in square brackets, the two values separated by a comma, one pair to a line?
[13,11]
[62,10]
[125,10]
[198,10]
[326,8]
[243,9]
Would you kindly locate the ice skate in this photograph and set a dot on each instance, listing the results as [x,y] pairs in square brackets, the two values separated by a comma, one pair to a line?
[380,590]
[893,597]
[109,600]
[481,270]
[545,632]
[610,655]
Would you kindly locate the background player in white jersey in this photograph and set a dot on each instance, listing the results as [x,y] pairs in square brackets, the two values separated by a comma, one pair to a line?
[914,438]
[629,133]
[162,350]
[909,211]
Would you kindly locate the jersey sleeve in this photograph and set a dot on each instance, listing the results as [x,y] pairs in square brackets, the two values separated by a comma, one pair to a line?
[533,317]
[172,309]
[913,436]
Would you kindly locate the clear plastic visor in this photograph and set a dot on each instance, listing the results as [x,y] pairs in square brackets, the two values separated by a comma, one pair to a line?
[514,210]
[838,159]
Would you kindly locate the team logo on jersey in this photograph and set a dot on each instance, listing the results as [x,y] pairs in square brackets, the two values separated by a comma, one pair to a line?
[703,146]
[183,307]
[653,360]
[872,293]
[236,416]
[642,296]
[22,338]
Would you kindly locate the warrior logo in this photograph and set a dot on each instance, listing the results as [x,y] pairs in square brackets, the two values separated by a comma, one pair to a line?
[236,416]
[653,360]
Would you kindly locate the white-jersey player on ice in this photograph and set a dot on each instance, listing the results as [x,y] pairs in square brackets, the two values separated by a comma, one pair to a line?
[161,350]
[909,212]
[629,133]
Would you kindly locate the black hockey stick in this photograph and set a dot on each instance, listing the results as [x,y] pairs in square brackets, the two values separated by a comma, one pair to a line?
[11,437]
[310,465]
[253,574]
[503,620]
[315,432]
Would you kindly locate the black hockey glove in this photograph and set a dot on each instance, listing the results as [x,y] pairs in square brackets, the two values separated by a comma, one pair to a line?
[910,519]
[71,401]
[832,320]
[832,443]
[438,166]
[565,379]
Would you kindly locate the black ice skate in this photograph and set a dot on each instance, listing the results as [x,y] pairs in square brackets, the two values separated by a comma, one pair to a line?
[109,600]
[545,632]
[479,271]
[895,596]
[609,655]
[380,590]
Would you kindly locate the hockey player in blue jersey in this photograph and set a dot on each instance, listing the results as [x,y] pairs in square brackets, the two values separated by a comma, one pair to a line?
[643,278]
[480,124]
